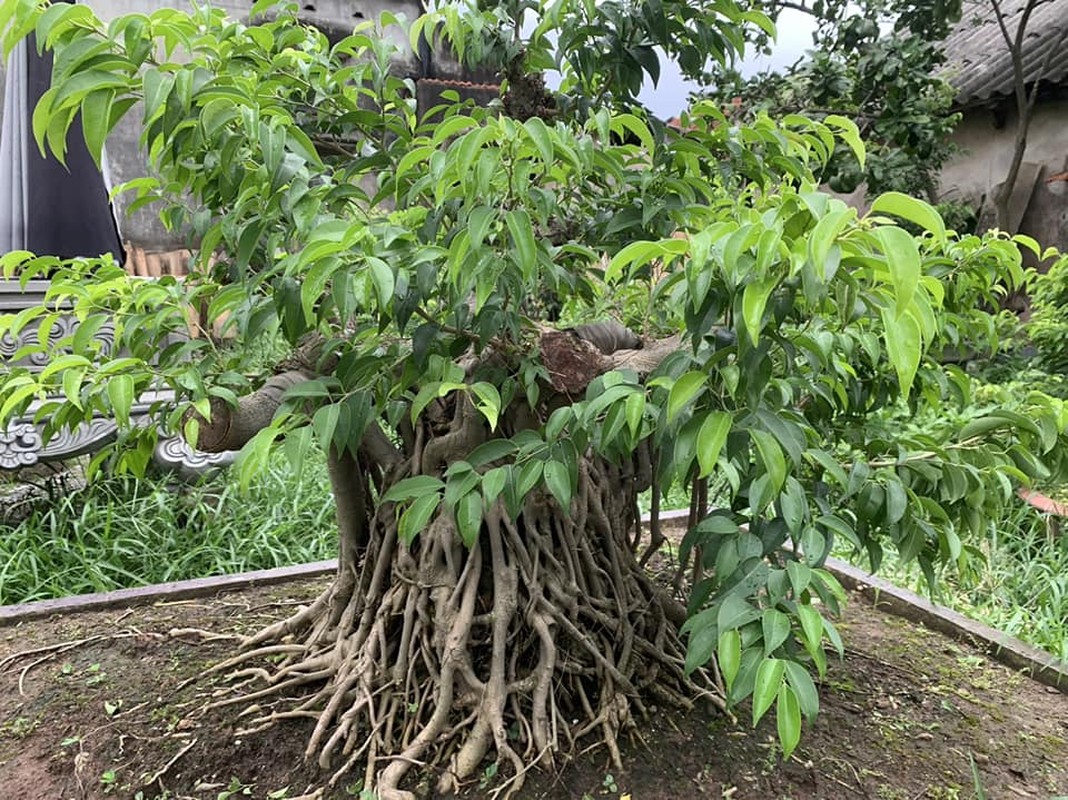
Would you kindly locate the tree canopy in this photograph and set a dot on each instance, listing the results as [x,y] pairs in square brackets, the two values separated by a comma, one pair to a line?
[504,327]
[878,63]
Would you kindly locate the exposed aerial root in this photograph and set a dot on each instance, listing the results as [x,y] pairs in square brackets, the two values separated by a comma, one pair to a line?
[437,656]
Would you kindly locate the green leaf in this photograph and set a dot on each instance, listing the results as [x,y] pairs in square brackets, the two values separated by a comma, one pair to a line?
[903,259]
[823,236]
[522,231]
[913,209]
[807,695]
[702,640]
[539,134]
[768,680]
[904,346]
[800,576]
[849,133]
[96,121]
[16,397]
[383,279]
[558,479]
[253,458]
[776,628]
[788,720]
[771,456]
[492,450]
[469,517]
[978,427]
[811,629]
[72,385]
[121,394]
[635,411]
[62,363]
[754,300]
[493,483]
[896,501]
[683,391]
[415,518]
[478,224]
[734,612]
[710,440]
[489,402]
[325,423]
[623,123]
[729,655]
[409,488]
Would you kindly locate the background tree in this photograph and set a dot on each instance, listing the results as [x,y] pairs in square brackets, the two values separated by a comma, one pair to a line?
[490,600]
[878,64]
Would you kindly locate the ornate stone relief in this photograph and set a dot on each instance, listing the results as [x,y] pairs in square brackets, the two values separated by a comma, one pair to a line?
[21,444]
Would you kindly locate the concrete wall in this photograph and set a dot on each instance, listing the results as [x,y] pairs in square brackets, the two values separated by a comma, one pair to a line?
[986,152]
[126,161]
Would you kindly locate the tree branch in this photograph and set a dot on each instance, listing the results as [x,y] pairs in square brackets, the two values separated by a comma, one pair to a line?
[231,428]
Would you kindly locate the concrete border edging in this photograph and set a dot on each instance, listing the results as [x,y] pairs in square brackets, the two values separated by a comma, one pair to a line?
[176,590]
[885,596]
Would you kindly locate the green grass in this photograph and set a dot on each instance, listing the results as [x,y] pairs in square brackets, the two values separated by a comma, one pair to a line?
[1019,585]
[120,532]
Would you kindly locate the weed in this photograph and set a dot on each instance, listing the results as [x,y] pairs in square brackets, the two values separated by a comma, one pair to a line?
[18,728]
[234,790]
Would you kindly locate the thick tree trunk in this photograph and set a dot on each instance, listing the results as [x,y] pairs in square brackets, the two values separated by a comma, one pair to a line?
[545,632]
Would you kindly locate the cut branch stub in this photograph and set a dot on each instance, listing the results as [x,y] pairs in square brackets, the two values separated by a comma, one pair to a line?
[572,362]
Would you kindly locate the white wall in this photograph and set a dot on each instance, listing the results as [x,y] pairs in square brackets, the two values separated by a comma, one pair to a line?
[987,150]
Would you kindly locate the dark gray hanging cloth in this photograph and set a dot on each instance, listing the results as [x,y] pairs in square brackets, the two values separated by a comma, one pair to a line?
[47,207]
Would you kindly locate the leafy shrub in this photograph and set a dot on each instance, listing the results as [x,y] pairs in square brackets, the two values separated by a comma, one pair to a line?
[1048,328]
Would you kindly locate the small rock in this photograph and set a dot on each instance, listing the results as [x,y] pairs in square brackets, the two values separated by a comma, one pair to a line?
[981,758]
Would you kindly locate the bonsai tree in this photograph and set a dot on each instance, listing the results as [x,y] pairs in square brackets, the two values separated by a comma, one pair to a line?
[505,324]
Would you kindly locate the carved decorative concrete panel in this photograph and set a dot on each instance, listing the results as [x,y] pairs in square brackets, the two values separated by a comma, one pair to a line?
[22,445]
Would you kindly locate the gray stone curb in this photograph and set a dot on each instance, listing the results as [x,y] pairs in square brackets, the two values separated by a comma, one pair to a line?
[1011,652]
[176,590]
[886,597]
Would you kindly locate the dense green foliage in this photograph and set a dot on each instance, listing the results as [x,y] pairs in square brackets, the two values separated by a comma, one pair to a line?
[877,63]
[1048,326]
[424,255]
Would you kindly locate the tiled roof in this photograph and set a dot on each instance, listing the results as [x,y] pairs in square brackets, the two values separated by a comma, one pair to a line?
[978,63]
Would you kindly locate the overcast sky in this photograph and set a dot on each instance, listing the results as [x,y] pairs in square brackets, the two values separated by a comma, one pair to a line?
[669,97]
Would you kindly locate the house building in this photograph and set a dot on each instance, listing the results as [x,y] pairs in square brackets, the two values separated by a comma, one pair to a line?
[979,65]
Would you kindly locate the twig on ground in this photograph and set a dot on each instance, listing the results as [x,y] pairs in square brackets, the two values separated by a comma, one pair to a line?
[203,635]
[158,774]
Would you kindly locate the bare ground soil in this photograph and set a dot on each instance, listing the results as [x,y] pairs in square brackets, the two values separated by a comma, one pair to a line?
[102,705]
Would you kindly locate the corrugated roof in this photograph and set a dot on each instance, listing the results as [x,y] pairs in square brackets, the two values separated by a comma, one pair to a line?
[978,62]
